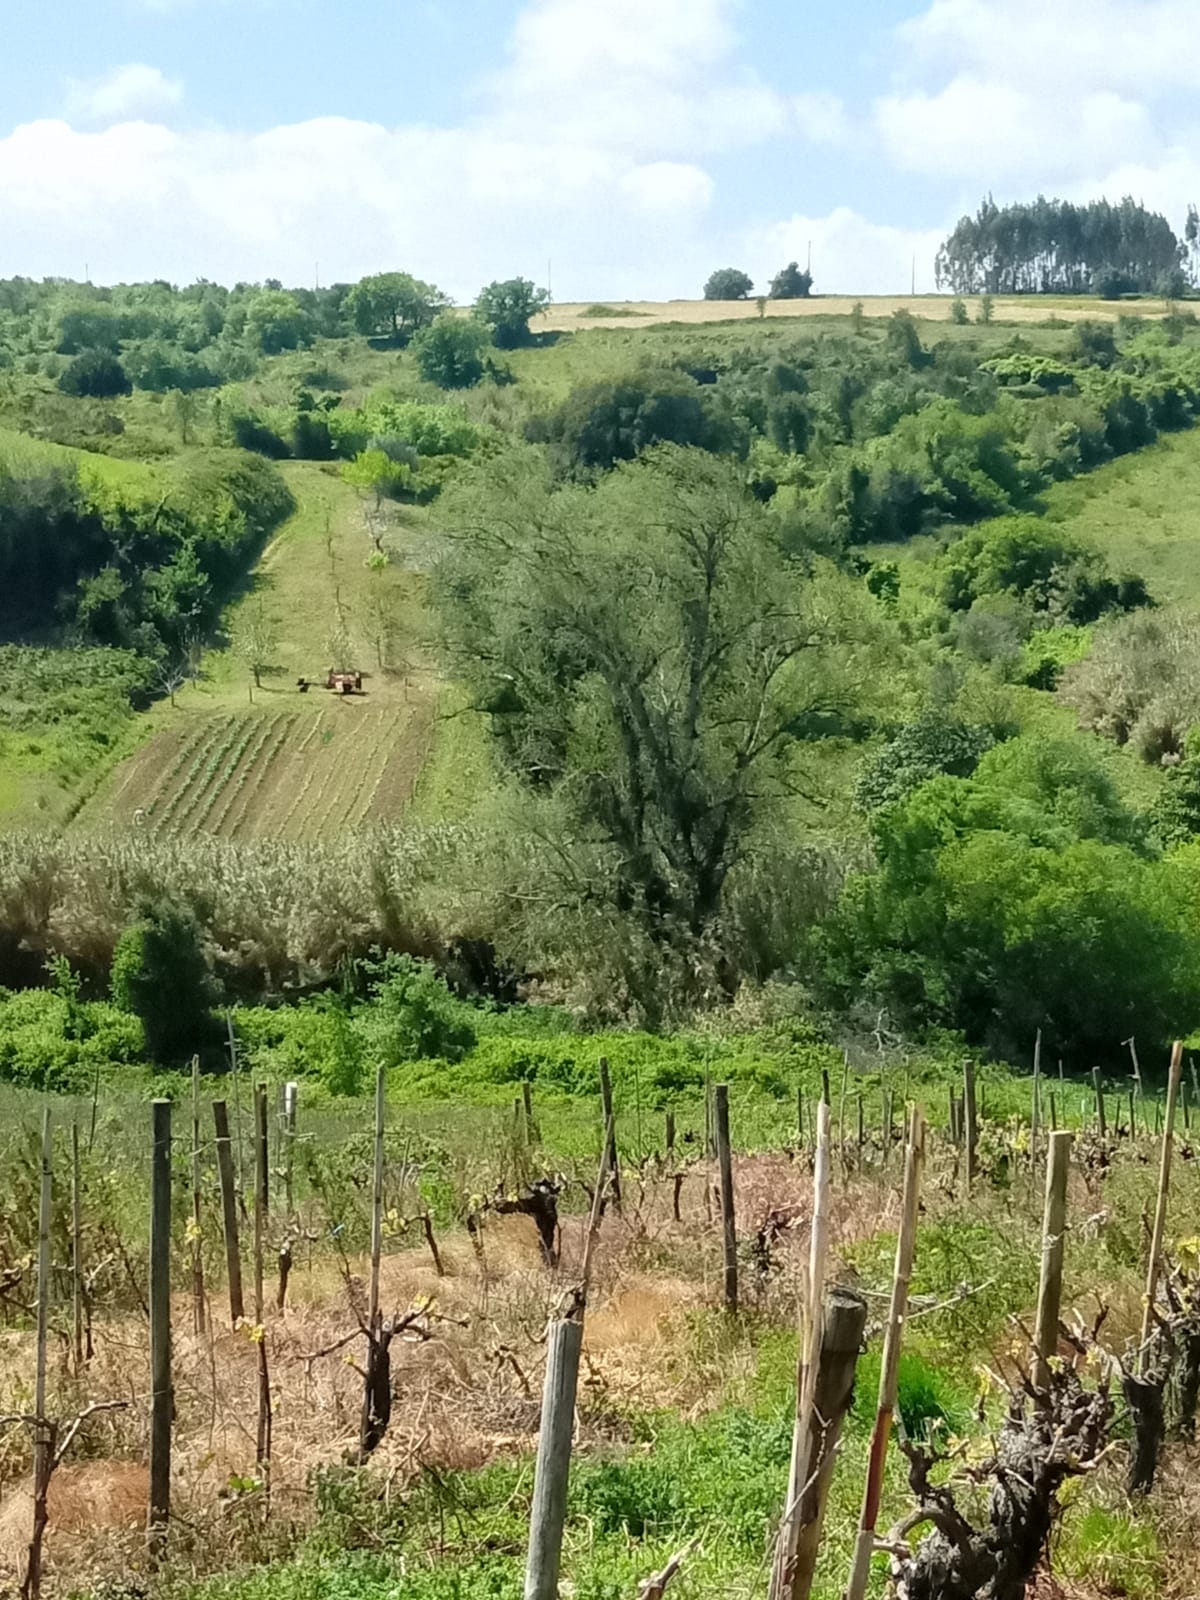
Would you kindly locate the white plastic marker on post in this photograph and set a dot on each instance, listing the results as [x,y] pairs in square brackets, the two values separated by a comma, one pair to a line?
[864,1546]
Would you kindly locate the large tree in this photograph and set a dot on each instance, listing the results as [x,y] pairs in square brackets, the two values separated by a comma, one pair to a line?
[393,304]
[507,307]
[648,659]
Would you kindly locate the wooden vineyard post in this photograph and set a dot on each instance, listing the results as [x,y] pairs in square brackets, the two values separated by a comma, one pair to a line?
[811,1338]
[564,1340]
[291,1093]
[77,1339]
[1054,1227]
[842,1104]
[610,1136]
[237,1111]
[548,1516]
[262,1438]
[531,1128]
[1101,1121]
[669,1134]
[800,1115]
[160,1331]
[1035,1103]
[1160,1207]
[229,1217]
[376,1390]
[864,1546]
[43,1437]
[1137,1073]
[887,1125]
[197,1249]
[262,1160]
[728,1216]
[841,1342]
[1184,1106]
[860,1132]
[971,1126]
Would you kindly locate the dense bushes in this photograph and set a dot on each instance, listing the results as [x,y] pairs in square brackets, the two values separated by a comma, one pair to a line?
[128,569]
[1140,685]
[601,424]
[1019,898]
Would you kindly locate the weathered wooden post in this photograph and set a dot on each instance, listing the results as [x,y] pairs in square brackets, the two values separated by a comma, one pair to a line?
[670,1135]
[1035,1104]
[262,1154]
[237,1111]
[77,1346]
[161,1404]
[1054,1227]
[531,1129]
[610,1135]
[1160,1207]
[551,1474]
[43,1429]
[800,1115]
[728,1217]
[376,1406]
[229,1216]
[261,1158]
[841,1341]
[1101,1120]
[971,1128]
[197,1244]
[864,1546]
[291,1093]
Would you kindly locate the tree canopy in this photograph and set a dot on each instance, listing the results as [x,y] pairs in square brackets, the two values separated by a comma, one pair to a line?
[393,304]
[729,283]
[1056,247]
[791,283]
[506,308]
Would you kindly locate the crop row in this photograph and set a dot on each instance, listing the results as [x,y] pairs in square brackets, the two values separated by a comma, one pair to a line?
[224,768]
[256,765]
[381,747]
[217,731]
[328,788]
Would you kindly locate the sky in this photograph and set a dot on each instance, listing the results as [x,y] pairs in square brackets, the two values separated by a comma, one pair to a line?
[614,149]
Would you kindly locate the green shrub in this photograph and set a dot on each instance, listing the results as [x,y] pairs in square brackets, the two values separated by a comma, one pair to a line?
[96,374]
[413,1016]
[161,973]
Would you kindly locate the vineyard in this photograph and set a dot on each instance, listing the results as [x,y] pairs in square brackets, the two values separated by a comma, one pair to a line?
[269,774]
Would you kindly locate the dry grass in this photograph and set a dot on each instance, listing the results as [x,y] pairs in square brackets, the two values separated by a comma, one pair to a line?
[466,1388]
[567,318]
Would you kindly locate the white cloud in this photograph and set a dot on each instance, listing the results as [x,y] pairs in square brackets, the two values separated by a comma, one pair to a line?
[126,93]
[821,117]
[850,255]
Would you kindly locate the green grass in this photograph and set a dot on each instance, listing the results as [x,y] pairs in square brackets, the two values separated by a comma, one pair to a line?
[20,452]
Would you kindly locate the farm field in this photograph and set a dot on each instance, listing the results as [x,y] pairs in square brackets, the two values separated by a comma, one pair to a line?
[283,774]
[568,317]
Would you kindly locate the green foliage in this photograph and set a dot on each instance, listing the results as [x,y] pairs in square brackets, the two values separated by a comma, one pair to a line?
[162,974]
[1047,570]
[1055,247]
[921,750]
[394,304]
[413,1015]
[601,424]
[728,283]
[1021,898]
[958,311]
[375,470]
[507,307]
[789,284]
[97,374]
[450,352]
[275,321]
[51,1042]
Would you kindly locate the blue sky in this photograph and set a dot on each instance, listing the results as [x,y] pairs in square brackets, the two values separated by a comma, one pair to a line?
[635,143]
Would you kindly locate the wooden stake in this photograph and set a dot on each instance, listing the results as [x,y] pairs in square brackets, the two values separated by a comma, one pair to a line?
[1101,1122]
[197,1248]
[531,1132]
[291,1094]
[1035,1108]
[1054,1227]
[670,1135]
[610,1125]
[77,1344]
[842,1103]
[971,1130]
[44,1432]
[844,1323]
[261,1157]
[237,1111]
[229,1216]
[811,1337]
[860,1135]
[551,1474]
[161,1405]
[865,1543]
[1160,1207]
[262,1154]
[377,1347]
[800,1115]
[728,1217]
